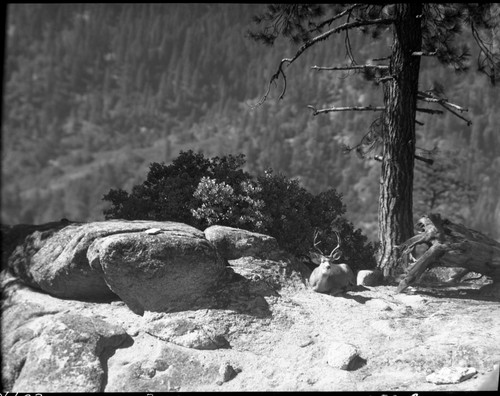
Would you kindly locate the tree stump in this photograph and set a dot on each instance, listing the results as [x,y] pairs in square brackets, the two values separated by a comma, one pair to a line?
[450,245]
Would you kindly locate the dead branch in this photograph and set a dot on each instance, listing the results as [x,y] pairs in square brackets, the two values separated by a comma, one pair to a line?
[354,67]
[428,98]
[352,108]
[384,79]
[451,245]
[434,253]
[417,157]
[445,104]
[423,53]
[423,159]
[381,59]
[430,111]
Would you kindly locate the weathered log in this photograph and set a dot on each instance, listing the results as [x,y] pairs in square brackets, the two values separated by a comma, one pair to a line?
[450,245]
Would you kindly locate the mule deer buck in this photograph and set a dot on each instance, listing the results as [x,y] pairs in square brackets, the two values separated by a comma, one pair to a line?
[329,277]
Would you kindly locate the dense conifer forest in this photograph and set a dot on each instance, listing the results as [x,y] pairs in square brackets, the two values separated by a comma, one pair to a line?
[94,93]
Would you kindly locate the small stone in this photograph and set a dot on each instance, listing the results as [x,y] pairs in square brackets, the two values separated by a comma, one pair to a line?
[226,373]
[451,375]
[369,278]
[341,356]
[153,231]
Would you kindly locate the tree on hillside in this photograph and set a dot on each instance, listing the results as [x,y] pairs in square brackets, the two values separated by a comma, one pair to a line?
[415,30]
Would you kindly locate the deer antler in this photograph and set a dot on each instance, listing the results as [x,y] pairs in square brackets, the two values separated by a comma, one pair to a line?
[316,233]
[335,249]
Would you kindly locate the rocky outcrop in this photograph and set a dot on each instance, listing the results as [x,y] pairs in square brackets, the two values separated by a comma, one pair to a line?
[44,350]
[165,269]
[175,298]
[255,327]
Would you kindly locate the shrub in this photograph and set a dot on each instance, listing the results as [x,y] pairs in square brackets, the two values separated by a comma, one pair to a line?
[221,204]
[293,215]
[202,192]
[168,191]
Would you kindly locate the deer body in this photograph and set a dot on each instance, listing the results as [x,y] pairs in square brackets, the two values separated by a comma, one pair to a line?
[329,277]
[332,278]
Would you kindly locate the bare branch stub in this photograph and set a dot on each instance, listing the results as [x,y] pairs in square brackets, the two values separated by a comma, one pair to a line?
[429,111]
[425,97]
[353,67]
[423,159]
[423,53]
[351,108]
[445,105]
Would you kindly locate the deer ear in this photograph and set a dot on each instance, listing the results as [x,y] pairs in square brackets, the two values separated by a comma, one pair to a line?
[315,257]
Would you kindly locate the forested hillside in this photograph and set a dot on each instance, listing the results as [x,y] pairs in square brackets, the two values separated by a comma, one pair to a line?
[93,93]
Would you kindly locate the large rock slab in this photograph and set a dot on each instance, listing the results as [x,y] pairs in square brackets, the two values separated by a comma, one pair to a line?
[152,365]
[162,269]
[149,264]
[46,351]
[234,243]
[55,259]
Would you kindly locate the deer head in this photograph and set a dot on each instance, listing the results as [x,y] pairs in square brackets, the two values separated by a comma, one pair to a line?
[320,258]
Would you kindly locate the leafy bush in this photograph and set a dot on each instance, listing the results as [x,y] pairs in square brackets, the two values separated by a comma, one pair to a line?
[202,192]
[293,215]
[168,191]
[221,204]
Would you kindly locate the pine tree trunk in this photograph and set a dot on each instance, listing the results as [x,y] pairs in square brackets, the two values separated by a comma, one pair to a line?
[400,97]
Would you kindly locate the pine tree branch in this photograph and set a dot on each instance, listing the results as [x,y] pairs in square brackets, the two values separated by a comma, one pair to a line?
[430,111]
[351,108]
[417,157]
[311,42]
[427,98]
[469,122]
[445,104]
[338,29]
[338,16]
[354,67]
[423,53]
[423,159]
[274,77]
[384,79]
[381,59]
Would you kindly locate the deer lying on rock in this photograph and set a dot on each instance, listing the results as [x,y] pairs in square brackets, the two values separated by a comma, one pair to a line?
[329,277]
